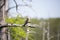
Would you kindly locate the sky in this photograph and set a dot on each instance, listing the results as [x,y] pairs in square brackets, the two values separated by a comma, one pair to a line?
[36,8]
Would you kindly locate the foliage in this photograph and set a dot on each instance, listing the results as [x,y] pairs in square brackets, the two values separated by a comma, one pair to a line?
[20,32]
[16,33]
[17,20]
[54,27]
[35,21]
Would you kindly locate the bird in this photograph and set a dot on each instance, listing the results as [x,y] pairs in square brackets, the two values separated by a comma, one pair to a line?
[27,21]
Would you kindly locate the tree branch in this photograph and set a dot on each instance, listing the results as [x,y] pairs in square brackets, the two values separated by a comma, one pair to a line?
[3,4]
[9,25]
[15,25]
[13,7]
[16,5]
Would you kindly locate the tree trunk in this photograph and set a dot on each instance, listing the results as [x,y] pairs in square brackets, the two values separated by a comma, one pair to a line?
[3,14]
[4,34]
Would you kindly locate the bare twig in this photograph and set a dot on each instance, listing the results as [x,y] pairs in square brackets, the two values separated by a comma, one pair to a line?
[13,7]
[16,5]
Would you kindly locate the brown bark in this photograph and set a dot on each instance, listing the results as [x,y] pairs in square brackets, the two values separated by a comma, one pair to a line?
[3,31]
[4,34]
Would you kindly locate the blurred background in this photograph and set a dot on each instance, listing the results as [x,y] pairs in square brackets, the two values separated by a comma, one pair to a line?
[43,19]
